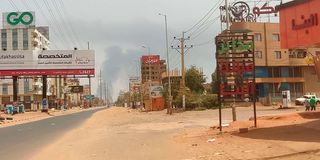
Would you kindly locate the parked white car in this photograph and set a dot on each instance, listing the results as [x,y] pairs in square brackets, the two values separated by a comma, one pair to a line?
[300,100]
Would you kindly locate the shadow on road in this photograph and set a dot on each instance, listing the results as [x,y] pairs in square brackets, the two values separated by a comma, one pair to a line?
[304,132]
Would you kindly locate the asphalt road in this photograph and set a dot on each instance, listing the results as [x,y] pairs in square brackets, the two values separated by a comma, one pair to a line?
[23,140]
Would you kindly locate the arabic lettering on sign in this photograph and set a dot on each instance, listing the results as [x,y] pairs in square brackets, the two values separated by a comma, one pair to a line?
[238,90]
[238,12]
[9,56]
[238,67]
[43,56]
[264,10]
[307,22]
[234,45]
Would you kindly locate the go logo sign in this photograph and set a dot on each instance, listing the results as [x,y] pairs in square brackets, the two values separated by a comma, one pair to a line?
[15,18]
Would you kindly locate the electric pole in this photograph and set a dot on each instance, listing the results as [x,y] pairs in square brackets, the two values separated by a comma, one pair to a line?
[105,91]
[182,48]
[100,84]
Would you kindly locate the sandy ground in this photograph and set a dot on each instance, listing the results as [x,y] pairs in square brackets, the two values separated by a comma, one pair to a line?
[34,116]
[119,134]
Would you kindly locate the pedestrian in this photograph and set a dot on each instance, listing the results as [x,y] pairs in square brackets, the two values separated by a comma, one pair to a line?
[307,104]
[313,103]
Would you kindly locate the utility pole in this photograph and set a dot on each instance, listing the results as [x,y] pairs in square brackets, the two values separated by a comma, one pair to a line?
[169,109]
[90,94]
[234,112]
[107,94]
[100,85]
[182,51]
[105,91]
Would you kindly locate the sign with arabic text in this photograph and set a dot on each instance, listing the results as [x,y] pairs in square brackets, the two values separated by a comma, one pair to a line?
[152,59]
[47,62]
[300,24]
[235,67]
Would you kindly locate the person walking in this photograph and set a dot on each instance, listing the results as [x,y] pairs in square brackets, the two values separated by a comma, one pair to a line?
[307,104]
[313,103]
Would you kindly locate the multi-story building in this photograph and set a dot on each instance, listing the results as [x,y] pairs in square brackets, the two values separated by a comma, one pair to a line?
[279,69]
[17,36]
[31,38]
[152,68]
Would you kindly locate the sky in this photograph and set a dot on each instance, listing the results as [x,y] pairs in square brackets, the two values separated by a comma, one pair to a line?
[117,30]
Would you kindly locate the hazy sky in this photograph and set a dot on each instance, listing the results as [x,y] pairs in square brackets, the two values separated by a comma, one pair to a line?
[116,30]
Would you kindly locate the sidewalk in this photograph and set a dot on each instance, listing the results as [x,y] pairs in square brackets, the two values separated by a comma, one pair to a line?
[34,116]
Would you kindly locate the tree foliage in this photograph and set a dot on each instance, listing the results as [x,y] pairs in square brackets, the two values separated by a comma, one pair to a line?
[194,80]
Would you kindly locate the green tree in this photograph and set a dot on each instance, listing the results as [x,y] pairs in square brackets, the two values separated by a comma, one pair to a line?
[214,82]
[194,80]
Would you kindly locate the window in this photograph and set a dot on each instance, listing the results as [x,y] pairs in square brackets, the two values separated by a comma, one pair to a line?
[277,54]
[276,37]
[25,39]
[258,54]
[5,87]
[276,72]
[4,39]
[26,86]
[257,37]
[15,39]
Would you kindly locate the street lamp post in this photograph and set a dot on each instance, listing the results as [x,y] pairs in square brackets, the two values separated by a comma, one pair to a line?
[169,109]
[149,79]
[147,47]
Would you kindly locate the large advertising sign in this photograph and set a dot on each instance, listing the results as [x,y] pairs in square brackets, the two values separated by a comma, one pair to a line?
[235,70]
[18,19]
[300,24]
[47,62]
[152,59]
[235,67]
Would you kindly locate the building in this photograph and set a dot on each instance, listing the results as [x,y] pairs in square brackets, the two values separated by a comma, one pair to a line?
[17,36]
[23,39]
[279,69]
[152,68]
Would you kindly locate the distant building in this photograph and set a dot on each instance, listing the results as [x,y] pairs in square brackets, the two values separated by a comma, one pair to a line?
[152,68]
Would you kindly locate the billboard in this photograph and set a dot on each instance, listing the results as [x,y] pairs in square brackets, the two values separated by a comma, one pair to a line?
[152,59]
[76,89]
[47,62]
[156,91]
[300,24]
[18,19]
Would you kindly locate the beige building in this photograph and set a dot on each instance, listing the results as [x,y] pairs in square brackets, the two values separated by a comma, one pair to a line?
[279,69]
[31,38]
[28,38]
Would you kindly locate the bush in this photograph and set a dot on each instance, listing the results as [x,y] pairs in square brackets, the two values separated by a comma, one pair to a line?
[198,102]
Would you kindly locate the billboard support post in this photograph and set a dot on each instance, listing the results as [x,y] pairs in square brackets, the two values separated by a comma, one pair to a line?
[15,88]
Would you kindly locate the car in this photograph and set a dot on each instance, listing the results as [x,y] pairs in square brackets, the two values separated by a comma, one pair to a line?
[300,100]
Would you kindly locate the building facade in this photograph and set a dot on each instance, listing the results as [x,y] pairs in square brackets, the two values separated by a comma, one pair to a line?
[19,37]
[279,69]
[152,68]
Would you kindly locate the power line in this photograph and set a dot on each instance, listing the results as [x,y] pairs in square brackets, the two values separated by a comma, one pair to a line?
[208,13]
[205,28]
[70,24]
[206,20]
[13,5]
[48,21]
[62,11]
[58,25]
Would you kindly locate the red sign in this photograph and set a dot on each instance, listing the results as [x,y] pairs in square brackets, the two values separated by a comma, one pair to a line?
[300,24]
[153,59]
[47,72]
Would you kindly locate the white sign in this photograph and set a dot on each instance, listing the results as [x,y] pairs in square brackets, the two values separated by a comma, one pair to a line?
[156,91]
[65,59]
[47,62]
[18,19]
